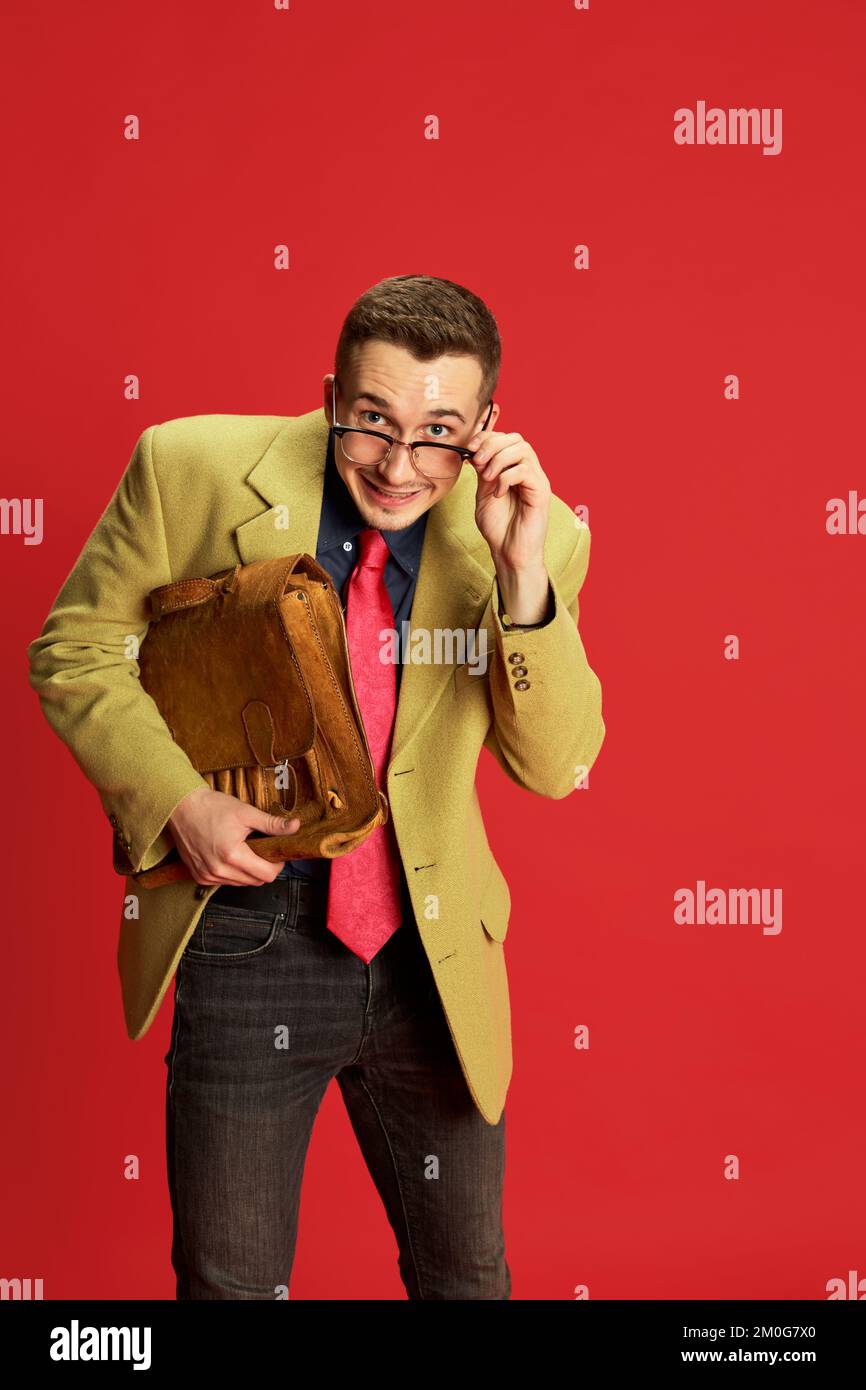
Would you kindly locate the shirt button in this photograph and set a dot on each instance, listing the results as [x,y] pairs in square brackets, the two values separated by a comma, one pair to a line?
[521,685]
[516,656]
[519,671]
[347,545]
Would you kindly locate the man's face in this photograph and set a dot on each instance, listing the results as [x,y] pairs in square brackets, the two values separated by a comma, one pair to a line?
[386,389]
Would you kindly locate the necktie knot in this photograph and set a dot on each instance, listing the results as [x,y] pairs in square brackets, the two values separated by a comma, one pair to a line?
[374,550]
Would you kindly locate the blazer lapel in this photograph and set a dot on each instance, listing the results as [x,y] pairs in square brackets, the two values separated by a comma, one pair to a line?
[290,476]
[451,595]
[454,579]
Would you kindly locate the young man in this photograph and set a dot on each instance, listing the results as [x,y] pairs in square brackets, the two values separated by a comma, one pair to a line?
[384,968]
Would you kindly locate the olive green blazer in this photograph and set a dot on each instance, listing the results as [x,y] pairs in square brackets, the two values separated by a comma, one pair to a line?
[201,494]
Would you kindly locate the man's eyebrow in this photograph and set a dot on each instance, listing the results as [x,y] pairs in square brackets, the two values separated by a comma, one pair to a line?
[380,401]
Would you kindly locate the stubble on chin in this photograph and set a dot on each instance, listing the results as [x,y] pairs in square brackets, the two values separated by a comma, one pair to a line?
[384,519]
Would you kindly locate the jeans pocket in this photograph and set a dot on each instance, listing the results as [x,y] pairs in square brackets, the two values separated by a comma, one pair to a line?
[233,934]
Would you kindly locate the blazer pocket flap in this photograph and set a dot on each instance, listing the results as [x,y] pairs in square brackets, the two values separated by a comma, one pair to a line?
[466,675]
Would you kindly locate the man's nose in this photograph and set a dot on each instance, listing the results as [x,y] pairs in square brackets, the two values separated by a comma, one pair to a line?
[399,470]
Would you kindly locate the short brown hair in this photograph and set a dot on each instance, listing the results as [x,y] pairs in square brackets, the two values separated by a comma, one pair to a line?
[429,317]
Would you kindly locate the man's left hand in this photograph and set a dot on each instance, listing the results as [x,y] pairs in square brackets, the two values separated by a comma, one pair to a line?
[512,501]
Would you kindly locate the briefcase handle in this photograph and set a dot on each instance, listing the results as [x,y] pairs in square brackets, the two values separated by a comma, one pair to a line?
[186,593]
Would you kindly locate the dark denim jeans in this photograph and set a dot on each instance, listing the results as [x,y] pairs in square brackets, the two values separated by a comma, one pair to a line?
[269,1006]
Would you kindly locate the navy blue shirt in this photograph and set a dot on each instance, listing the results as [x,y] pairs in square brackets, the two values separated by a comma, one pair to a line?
[337,552]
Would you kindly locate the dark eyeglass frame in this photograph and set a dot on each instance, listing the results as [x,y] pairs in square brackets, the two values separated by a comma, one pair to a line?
[340,430]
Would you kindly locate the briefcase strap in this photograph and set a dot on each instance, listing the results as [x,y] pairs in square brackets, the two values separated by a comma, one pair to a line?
[185,593]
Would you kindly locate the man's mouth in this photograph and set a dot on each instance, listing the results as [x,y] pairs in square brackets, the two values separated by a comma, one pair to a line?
[390,499]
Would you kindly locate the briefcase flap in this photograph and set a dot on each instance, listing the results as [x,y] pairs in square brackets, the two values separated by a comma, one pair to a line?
[219,662]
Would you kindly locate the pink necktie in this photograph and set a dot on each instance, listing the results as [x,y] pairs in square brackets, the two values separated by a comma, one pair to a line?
[364,901]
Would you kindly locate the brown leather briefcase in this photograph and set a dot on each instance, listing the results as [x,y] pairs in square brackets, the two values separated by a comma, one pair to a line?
[250,671]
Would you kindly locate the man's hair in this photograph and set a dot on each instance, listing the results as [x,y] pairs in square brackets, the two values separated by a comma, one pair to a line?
[429,317]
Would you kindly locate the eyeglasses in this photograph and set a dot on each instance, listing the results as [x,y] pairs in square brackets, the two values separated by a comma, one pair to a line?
[371,447]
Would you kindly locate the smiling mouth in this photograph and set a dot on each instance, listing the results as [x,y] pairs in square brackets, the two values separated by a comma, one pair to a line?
[392,496]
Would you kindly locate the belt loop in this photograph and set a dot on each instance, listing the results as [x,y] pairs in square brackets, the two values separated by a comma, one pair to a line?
[292,909]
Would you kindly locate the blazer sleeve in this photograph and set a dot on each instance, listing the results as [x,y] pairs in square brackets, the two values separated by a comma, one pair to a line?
[547,725]
[84,668]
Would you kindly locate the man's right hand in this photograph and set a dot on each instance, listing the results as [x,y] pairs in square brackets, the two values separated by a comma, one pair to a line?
[210,830]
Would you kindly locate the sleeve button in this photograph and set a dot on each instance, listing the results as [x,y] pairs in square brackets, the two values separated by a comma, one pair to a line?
[521,685]
[514,657]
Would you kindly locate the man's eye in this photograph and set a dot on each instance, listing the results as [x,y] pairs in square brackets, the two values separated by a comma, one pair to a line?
[371,412]
[439,426]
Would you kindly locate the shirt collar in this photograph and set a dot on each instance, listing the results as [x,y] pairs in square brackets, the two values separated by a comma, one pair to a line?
[341,521]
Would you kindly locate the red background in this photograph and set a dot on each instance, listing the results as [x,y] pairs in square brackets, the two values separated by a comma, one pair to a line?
[707,516]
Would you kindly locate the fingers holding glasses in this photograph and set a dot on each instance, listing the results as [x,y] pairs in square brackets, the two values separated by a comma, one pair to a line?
[502,461]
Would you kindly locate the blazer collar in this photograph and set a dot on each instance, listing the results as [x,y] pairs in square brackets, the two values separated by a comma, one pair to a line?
[456,572]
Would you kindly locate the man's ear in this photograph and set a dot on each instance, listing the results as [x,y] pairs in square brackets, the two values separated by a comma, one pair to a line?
[326,396]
